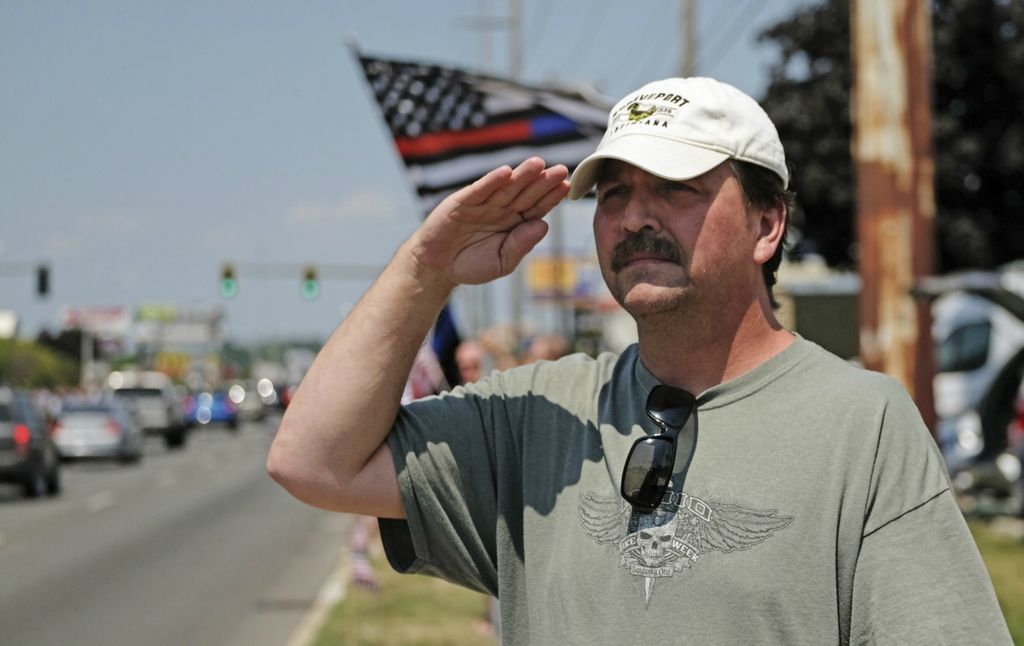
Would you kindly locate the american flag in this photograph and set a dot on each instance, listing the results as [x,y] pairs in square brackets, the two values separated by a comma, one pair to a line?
[451,126]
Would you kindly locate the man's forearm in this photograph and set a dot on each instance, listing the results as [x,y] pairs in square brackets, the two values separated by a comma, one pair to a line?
[329,451]
[348,400]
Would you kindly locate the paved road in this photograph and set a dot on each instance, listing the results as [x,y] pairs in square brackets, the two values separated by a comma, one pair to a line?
[196,546]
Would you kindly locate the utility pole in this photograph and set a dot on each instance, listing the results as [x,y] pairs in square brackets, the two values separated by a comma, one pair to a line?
[511,23]
[688,60]
[895,189]
[515,68]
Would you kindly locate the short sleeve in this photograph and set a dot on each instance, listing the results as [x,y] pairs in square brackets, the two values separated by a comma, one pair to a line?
[919,578]
[908,469]
[445,452]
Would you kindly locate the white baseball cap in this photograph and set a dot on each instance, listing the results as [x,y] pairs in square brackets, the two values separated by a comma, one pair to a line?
[680,128]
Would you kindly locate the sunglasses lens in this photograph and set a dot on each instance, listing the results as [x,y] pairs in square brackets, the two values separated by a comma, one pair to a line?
[648,470]
[669,406]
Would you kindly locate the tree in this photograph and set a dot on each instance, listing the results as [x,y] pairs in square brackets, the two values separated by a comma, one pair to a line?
[67,343]
[30,365]
[978,135]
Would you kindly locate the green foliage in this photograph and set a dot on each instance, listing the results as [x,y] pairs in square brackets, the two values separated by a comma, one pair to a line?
[30,365]
[978,146]
[410,609]
[1003,554]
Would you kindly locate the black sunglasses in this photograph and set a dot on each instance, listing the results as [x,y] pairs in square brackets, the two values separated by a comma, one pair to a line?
[652,458]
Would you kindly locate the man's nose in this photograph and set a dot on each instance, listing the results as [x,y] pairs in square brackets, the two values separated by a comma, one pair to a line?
[639,215]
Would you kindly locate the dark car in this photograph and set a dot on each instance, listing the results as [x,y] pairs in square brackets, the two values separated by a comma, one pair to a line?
[28,456]
[103,428]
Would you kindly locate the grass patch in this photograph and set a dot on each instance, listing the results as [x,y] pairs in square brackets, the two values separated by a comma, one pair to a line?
[418,610]
[409,609]
[1003,554]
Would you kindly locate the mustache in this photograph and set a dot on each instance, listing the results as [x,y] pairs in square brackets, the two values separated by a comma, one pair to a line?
[646,244]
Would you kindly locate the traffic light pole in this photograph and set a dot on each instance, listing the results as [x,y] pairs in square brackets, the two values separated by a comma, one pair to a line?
[309,275]
[41,271]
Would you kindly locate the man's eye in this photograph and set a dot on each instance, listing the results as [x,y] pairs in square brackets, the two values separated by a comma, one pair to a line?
[680,186]
[611,192]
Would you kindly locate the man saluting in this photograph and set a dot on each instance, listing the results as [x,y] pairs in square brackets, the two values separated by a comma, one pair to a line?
[723,481]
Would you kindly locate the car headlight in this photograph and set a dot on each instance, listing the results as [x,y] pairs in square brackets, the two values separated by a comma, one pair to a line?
[963,481]
[968,433]
[1009,465]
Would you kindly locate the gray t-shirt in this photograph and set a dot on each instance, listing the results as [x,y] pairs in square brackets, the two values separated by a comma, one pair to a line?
[815,509]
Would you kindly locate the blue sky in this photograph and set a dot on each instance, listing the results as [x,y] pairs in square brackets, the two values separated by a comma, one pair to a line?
[143,143]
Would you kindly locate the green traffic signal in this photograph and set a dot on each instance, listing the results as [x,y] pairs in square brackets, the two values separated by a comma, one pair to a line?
[228,282]
[310,284]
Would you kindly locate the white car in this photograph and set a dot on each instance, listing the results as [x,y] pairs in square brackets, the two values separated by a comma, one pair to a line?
[978,326]
[103,428]
[153,400]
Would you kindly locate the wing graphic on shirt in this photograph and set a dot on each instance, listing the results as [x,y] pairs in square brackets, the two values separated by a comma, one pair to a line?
[604,519]
[670,539]
[724,527]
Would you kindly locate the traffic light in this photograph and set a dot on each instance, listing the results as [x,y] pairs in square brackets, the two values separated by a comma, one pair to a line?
[42,280]
[228,282]
[310,284]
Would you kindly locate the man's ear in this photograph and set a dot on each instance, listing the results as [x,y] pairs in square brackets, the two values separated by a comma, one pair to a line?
[771,225]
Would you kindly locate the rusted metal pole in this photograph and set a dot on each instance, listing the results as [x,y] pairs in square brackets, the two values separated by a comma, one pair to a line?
[891,110]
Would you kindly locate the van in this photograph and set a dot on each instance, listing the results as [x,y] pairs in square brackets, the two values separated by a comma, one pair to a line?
[154,402]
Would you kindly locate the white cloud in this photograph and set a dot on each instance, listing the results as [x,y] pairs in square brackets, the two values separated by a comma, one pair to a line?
[306,212]
[100,233]
[61,245]
[367,205]
[112,224]
[377,205]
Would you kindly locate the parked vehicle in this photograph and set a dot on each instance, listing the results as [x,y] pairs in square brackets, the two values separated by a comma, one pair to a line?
[98,429]
[28,456]
[211,407]
[253,398]
[978,326]
[152,399]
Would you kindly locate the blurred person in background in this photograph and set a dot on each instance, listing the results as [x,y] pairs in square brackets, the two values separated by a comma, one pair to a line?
[470,357]
[546,347]
[721,481]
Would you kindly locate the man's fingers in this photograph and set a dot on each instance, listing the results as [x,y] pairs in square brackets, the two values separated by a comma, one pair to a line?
[500,186]
[482,189]
[547,201]
[523,176]
[544,188]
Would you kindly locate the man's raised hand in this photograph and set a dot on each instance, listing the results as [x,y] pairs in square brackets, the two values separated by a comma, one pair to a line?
[484,230]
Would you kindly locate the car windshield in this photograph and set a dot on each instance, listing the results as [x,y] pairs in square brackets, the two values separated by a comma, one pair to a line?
[87,408]
[138,392]
[966,348]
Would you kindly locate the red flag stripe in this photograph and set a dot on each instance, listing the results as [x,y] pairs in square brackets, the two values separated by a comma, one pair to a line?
[436,143]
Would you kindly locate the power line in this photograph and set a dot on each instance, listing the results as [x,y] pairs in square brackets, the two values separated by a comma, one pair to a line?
[539,25]
[585,35]
[640,73]
[758,6]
